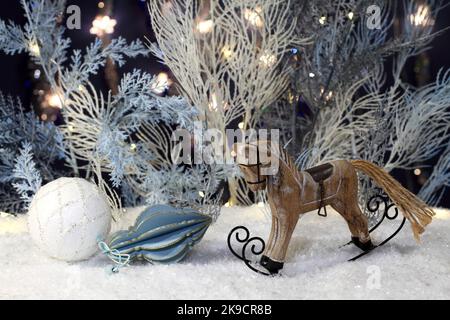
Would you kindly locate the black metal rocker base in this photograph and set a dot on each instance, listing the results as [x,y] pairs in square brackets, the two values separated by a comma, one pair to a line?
[268,267]
[373,205]
[246,240]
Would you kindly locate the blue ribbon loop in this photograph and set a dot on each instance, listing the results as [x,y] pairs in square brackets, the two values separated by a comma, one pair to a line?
[120,259]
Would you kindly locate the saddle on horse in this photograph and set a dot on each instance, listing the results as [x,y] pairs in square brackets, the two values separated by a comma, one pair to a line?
[320,174]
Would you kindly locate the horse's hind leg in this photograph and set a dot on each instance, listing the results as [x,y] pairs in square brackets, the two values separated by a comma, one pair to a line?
[357,223]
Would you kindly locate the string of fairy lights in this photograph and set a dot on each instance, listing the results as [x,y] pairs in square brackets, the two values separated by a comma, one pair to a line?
[104,24]
[421,19]
[103,27]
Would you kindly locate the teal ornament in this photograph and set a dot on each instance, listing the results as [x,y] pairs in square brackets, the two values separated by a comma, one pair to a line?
[161,234]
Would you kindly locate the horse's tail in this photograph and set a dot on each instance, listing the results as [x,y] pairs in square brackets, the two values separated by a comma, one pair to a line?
[414,209]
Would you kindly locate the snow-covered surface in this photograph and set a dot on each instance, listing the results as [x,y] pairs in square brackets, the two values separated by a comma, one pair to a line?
[315,267]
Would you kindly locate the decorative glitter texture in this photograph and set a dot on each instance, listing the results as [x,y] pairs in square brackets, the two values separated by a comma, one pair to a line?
[67,217]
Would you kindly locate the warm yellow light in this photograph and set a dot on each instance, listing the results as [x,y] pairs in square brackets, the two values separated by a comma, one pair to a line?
[201,194]
[101,4]
[261,204]
[291,97]
[328,95]
[71,128]
[34,49]
[213,103]
[227,53]
[54,100]
[254,17]
[205,26]
[351,15]
[161,83]
[228,204]
[216,103]
[417,172]
[133,147]
[322,20]
[103,25]
[422,16]
[241,125]
[268,60]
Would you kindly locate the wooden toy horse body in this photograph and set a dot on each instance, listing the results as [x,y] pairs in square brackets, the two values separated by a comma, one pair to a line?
[292,193]
[297,194]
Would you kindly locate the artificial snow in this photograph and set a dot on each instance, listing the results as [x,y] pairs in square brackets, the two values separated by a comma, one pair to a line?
[315,268]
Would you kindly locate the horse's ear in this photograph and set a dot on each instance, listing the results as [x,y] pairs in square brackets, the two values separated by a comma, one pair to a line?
[269,156]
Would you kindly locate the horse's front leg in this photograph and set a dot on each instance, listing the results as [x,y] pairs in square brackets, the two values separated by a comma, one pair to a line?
[273,234]
[275,253]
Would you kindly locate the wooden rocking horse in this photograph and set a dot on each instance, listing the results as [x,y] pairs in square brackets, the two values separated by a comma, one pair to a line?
[292,193]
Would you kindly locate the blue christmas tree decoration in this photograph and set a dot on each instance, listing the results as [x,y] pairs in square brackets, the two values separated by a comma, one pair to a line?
[161,234]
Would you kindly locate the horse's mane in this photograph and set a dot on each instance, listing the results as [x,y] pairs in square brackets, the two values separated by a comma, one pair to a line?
[288,161]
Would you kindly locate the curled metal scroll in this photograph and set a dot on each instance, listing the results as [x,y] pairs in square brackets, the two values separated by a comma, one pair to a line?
[390,213]
[248,242]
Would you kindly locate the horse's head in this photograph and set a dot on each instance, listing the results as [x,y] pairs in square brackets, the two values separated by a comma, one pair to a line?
[256,163]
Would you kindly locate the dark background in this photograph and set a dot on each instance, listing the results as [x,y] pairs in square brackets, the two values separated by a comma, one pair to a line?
[133,22]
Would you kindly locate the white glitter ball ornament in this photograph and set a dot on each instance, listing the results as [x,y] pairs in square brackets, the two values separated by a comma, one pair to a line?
[67,217]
